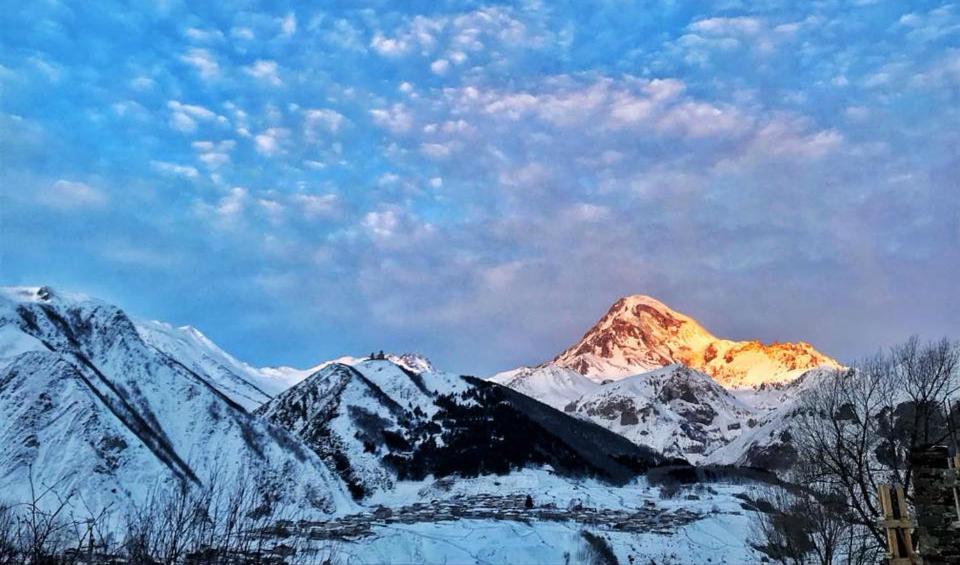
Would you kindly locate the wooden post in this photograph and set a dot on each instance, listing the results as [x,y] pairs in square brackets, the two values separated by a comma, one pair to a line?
[954,465]
[896,521]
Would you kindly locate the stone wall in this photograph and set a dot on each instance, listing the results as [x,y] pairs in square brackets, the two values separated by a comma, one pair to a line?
[937,520]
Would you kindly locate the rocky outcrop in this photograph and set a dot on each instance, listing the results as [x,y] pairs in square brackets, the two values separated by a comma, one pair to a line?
[640,333]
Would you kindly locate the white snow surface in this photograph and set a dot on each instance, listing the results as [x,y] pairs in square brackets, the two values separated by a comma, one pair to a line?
[675,410]
[325,409]
[777,407]
[98,412]
[720,536]
[289,376]
[244,384]
[550,384]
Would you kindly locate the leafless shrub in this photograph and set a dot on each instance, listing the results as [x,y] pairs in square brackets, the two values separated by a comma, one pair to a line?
[8,535]
[220,522]
[595,550]
[211,524]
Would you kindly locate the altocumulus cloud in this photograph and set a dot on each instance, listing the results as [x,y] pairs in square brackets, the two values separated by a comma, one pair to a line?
[479,183]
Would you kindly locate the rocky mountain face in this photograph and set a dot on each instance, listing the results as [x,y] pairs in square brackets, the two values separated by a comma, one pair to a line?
[675,410]
[88,405]
[660,379]
[639,334]
[377,422]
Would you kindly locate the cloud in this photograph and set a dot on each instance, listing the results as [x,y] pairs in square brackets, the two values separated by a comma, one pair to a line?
[606,103]
[931,26]
[457,35]
[130,109]
[71,195]
[230,208]
[214,154]
[437,150]
[388,47]
[440,66]
[396,118]
[265,71]
[288,25]
[782,139]
[418,33]
[728,26]
[419,176]
[204,36]
[142,83]
[699,119]
[272,209]
[396,229]
[710,39]
[203,61]
[317,206]
[270,140]
[322,119]
[184,117]
[174,169]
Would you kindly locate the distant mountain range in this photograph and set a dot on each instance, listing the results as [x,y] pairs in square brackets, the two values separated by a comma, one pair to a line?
[109,407]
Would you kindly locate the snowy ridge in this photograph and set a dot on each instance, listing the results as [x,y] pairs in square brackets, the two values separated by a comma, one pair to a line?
[377,422]
[289,376]
[550,384]
[87,405]
[241,382]
[767,444]
[639,334]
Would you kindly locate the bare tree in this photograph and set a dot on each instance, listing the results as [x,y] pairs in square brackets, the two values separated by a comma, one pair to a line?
[8,535]
[797,528]
[854,431]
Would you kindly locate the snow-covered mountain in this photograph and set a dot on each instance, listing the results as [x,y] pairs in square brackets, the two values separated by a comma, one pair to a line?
[639,334]
[105,408]
[244,384]
[87,404]
[289,376]
[377,422]
[100,403]
[550,384]
[675,410]
[768,443]
[660,379]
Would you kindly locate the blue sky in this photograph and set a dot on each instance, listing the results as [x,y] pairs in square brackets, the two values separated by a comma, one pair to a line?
[479,181]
